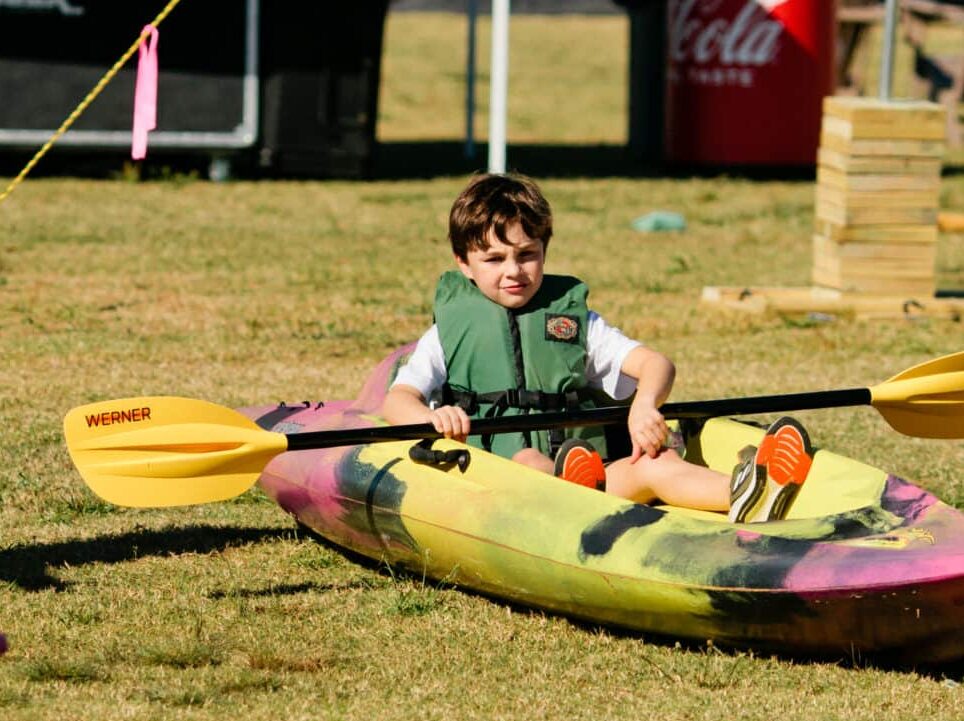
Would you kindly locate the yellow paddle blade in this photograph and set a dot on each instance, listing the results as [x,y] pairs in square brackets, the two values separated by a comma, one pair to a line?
[167,451]
[925,401]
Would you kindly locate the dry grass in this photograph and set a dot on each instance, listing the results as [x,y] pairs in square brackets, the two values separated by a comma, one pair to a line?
[552,99]
[255,292]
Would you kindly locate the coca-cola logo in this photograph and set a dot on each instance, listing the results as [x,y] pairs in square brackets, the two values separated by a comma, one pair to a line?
[724,32]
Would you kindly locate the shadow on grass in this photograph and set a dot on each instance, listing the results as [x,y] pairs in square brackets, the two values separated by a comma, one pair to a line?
[290,589]
[29,566]
[397,161]
[892,661]
[401,160]
[429,159]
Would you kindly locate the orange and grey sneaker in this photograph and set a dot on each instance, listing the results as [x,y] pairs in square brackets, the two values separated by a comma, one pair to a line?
[767,479]
[578,462]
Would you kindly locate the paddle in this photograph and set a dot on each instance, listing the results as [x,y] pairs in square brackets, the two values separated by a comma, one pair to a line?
[167,451]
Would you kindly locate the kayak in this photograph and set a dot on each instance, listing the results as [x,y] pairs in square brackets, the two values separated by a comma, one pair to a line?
[865,564]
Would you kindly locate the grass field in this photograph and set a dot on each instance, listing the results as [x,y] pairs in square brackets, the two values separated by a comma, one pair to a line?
[254,292]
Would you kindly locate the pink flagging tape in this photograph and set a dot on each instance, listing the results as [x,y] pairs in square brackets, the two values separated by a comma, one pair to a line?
[145,93]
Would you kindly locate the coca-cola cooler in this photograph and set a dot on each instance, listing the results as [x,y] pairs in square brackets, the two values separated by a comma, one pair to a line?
[745,80]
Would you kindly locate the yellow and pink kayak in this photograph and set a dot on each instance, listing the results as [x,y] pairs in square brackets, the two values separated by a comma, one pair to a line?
[865,563]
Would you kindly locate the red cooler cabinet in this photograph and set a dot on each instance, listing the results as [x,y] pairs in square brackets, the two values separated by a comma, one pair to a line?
[745,80]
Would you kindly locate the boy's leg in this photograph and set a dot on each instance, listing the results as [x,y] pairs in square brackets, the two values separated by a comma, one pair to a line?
[576,461]
[671,480]
[534,459]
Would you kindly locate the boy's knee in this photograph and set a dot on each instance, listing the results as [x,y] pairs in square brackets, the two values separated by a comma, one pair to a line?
[669,456]
[667,459]
[532,458]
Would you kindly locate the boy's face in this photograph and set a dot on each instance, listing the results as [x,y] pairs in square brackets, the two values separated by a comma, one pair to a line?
[507,273]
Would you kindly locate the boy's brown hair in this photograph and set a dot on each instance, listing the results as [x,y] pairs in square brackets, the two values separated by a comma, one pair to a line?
[496,201]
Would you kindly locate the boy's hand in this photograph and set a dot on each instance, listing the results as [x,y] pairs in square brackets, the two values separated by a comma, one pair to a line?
[451,421]
[647,429]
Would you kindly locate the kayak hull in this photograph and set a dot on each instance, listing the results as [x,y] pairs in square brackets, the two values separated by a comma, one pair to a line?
[865,565]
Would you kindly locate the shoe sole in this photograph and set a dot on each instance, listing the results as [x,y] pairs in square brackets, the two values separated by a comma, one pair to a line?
[586,469]
[784,463]
[580,464]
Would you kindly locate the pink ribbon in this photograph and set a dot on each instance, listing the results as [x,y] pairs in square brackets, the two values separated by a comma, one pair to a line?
[145,93]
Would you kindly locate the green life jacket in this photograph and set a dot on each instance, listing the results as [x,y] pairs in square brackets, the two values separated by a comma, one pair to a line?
[510,362]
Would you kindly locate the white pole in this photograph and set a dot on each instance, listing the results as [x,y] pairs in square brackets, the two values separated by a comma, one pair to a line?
[499,85]
[887,55]
[472,12]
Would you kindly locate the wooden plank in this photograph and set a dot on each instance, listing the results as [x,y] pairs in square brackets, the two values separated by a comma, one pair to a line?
[826,272]
[894,127]
[834,274]
[827,277]
[924,234]
[881,164]
[858,272]
[904,289]
[838,273]
[912,148]
[869,285]
[762,300]
[877,182]
[825,253]
[902,252]
[867,118]
[927,199]
[830,302]
[950,222]
[839,215]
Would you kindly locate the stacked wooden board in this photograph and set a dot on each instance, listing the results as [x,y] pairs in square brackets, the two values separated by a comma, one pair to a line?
[876,218]
[877,197]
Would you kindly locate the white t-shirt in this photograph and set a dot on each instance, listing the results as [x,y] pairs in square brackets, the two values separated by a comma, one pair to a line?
[606,349]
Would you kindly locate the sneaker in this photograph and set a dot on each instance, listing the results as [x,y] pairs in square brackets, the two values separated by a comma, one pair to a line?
[746,485]
[578,462]
[765,485]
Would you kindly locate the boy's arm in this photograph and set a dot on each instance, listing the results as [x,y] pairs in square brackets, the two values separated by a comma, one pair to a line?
[404,404]
[654,374]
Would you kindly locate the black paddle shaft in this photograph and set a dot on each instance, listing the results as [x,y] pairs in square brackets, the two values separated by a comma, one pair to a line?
[608,415]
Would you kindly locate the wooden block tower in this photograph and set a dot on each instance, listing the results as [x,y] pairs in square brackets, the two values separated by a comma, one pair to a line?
[878,195]
[875,224]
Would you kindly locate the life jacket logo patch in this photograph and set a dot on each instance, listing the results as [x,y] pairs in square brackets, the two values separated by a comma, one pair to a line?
[562,328]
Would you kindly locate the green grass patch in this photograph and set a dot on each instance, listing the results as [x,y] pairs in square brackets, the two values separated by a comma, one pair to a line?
[68,670]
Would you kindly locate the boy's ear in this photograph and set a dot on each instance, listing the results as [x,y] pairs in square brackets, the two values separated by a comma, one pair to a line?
[464,267]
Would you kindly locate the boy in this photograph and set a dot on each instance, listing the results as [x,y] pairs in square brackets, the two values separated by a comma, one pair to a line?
[508,339]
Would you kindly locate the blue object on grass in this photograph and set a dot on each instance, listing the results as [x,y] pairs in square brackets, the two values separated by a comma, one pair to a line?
[659,220]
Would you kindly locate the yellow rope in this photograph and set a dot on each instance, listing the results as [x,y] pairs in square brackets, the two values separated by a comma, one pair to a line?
[108,76]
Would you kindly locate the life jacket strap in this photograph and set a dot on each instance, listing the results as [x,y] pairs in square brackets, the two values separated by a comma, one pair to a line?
[521,399]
